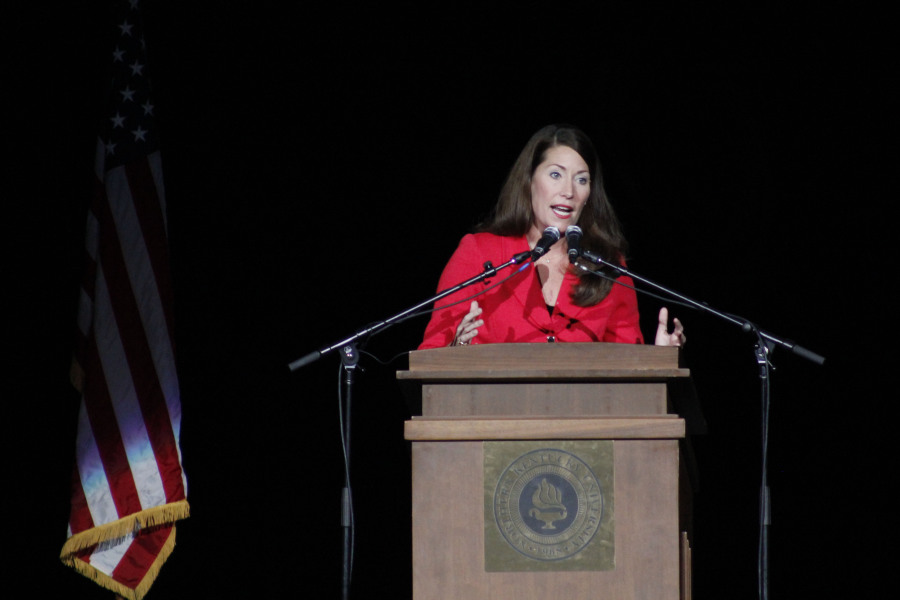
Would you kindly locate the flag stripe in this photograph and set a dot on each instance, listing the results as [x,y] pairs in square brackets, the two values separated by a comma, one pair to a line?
[134,339]
[86,300]
[112,475]
[148,203]
[132,427]
[145,183]
[108,558]
[146,187]
[94,486]
[140,556]
[80,519]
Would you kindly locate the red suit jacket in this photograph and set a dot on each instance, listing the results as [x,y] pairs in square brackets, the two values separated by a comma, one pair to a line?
[515,311]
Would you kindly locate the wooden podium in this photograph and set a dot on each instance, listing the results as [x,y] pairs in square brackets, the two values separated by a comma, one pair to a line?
[547,471]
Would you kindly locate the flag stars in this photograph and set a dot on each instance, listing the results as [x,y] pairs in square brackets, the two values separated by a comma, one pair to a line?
[130,122]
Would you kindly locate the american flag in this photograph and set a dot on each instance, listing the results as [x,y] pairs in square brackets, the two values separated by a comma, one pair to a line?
[128,487]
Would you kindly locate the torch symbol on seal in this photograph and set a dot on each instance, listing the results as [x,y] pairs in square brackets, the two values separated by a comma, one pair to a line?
[548,506]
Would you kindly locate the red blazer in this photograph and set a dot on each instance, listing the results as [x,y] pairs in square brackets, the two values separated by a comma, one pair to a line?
[515,311]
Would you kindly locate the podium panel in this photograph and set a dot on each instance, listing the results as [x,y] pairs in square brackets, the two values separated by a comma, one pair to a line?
[516,529]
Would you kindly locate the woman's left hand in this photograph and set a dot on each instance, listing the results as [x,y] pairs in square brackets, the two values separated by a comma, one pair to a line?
[663,336]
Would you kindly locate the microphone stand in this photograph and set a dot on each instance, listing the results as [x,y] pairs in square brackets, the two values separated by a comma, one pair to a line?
[349,360]
[766,343]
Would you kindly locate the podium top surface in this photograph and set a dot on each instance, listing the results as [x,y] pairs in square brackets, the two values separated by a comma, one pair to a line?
[543,362]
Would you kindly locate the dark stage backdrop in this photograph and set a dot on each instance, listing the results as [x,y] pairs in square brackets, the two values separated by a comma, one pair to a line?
[322,163]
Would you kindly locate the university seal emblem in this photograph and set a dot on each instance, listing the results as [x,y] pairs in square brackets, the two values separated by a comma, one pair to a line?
[548,504]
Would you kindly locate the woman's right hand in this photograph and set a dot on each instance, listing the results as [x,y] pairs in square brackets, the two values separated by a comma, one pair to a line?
[468,327]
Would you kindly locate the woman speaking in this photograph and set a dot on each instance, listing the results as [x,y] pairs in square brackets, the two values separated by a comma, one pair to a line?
[555,182]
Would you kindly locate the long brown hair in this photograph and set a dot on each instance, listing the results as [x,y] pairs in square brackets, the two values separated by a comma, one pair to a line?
[513,215]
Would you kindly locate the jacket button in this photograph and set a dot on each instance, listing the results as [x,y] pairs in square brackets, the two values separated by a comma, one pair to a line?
[551,338]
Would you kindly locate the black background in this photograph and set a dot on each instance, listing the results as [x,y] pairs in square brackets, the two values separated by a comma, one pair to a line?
[321,165]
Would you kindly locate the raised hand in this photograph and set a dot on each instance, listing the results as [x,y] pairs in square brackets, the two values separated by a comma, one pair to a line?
[468,327]
[666,338]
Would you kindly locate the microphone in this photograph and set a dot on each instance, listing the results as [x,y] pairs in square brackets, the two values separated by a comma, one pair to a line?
[550,237]
[573,239]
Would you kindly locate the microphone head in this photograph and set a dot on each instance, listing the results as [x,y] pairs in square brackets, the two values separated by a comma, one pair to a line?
[573,240]
[550,237]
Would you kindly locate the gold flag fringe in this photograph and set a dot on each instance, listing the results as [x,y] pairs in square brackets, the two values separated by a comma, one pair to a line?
[114,532]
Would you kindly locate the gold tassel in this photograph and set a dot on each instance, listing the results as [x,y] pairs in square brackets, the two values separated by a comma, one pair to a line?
[115,531]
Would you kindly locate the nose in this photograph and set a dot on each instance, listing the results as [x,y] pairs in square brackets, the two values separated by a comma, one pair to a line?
[568,188]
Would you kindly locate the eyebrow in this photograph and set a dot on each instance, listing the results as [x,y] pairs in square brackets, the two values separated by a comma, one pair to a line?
[565,169]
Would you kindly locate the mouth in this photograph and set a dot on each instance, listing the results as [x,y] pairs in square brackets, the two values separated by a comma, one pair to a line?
[562,211]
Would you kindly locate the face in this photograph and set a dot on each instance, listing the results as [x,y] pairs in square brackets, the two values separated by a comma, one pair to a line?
[560,187]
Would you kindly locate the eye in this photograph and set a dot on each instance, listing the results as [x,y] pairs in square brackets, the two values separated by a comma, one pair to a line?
[555,174]
[583,180]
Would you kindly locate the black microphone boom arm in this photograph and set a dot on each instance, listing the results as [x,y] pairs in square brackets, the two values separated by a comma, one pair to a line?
[744,324]
[489,271]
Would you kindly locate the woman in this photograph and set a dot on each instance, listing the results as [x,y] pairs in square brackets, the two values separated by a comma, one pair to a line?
[556,182]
